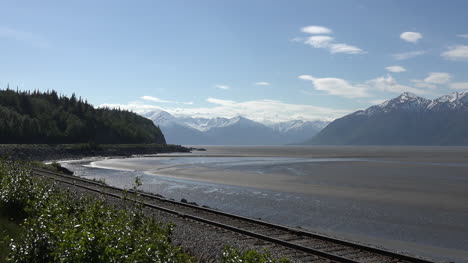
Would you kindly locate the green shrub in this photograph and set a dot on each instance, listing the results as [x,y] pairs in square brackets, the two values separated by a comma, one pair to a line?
[65,227]
[18,190]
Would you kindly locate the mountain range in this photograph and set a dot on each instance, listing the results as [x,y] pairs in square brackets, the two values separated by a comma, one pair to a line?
[232,131]
[405,120]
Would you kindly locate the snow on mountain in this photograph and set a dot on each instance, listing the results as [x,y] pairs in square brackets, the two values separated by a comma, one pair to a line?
[412,103]
[203,124]
[236,130]
[239,120]
[405,120]
[295,125]
[161,118]
[454,101]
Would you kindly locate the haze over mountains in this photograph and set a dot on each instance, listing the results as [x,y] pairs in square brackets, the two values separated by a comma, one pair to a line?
[234,131]
[404,120]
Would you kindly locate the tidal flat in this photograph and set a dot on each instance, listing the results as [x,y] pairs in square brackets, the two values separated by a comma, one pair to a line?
[412,199]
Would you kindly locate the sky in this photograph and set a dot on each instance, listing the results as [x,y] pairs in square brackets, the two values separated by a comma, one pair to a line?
[269,61]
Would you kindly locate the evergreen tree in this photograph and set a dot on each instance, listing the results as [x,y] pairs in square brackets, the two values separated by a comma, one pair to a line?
[46,117]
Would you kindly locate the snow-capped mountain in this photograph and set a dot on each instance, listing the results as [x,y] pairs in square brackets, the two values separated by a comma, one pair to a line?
[405,120]
[161,117]
[456,101]
[204,124]
[298,125]
[410,102]
[238,130]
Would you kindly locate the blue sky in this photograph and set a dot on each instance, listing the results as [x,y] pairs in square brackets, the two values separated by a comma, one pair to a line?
[266,60]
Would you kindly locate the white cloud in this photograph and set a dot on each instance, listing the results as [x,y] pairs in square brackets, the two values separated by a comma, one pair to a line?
[265,111]
[316,30]
[25,37]
[412,37]
[341,87]
[407,55]
[328,42]
[432,80]
[345,48]
[224,87]
[389,84]
[338,87]
[459,52]
[154,99]
[306,77]
[463,35]
[438,78]
[220,101]
[459,85]
[262,83]
[150,98]
[319,41]
[423,84]
[395,69]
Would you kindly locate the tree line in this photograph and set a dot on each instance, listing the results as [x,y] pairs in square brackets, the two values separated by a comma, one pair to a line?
[46,117]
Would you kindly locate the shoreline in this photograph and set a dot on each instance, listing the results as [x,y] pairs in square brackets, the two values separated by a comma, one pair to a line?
[58,152]
[288,183]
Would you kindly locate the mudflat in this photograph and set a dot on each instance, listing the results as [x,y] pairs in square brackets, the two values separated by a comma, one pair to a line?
[407,198]
[428,176]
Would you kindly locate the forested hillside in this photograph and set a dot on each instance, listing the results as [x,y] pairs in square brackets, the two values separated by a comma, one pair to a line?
[46,117]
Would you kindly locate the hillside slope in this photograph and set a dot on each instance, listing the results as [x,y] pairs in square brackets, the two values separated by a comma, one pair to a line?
[39,117]
[405,120]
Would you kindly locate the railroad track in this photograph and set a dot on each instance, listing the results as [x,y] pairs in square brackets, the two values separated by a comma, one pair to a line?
[311,247]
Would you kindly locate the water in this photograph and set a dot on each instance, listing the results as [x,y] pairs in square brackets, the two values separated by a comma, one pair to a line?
[411,199]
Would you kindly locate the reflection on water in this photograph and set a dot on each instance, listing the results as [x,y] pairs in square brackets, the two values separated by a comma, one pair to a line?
[429,230]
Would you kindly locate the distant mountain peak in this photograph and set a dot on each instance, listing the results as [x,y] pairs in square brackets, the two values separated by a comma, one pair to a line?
[410,102]
[456,96]
[408,95]
[160,117]
[235,130]
[238,118]
[405,120]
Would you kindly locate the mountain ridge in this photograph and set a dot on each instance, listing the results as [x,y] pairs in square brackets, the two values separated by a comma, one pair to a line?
[405,120]
[237,130]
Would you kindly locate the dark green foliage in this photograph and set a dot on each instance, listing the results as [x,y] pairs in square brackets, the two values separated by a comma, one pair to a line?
[38,117]
[15,189]
[61,226]
[8,229]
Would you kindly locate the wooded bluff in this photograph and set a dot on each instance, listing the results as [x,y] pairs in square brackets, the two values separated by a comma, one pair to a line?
[46,117]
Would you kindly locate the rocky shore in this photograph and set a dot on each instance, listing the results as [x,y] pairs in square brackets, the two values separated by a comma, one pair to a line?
[43,152]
